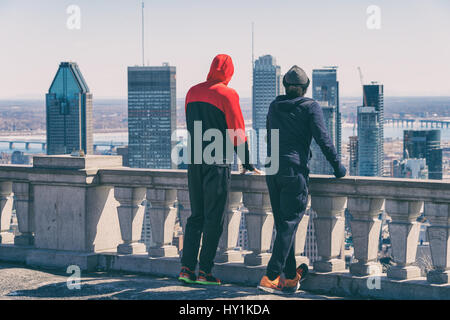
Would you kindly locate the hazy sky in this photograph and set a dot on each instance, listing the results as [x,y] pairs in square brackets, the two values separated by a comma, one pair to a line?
[410,53]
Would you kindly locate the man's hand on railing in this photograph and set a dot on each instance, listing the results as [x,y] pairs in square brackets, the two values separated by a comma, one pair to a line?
[340,172]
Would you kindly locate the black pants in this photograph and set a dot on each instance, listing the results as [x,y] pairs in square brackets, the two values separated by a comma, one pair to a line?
[288,191]
[208,193]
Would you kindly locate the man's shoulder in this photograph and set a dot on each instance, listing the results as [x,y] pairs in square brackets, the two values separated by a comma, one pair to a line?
[309,103]
[226,90]
[197,87]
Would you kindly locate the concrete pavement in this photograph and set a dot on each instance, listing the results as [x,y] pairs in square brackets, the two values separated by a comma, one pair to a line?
[18,282]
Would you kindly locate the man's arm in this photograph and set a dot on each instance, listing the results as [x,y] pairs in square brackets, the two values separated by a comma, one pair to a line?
[322,138]
[235,121]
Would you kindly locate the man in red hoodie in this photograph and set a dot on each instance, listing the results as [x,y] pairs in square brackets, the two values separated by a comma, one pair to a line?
[211,107]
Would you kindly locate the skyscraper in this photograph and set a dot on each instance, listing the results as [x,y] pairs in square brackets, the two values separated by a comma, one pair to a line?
[151,116]
[319,163]
[325,88]
[369,161]
[69,112]
[266,87]
[374,97]
[424,144]
[151,121]
[353,154]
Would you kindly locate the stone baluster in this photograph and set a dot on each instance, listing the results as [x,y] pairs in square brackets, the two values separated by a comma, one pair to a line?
[404,233]
[6,205]
[259,221]
[24,212]
[185,211]
[131,219]
[300,240]
[329,228]
[438,234]
[163,215]
[366,229]
[230,235]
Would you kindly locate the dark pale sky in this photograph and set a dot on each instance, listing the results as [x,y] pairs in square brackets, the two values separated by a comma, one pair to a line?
[409,54]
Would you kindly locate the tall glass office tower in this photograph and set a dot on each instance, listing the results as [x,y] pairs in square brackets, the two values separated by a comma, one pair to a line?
[424,144]
[151,116]
[151,122]
[319,163]
[69,112]
[374,97]
[266,87]
[325,89]
[353,155]
[369,163]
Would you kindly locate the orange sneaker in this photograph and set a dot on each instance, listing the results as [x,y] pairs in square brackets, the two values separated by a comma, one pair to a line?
[290,285]
[302,272]
[271,286]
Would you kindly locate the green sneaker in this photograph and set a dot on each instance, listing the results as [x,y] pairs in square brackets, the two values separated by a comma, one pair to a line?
[187,276]
[207,279]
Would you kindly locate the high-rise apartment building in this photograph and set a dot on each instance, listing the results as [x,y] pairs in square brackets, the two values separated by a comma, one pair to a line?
[69,112]
[424,144]
[369,160]
[266,87]
[353,155]
[319,164]
[325,88]
[151,116]
[374,97]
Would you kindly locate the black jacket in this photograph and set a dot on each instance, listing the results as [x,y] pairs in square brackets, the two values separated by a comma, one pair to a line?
[299,120]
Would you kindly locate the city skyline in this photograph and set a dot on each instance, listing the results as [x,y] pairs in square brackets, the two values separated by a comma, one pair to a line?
[115,184]
[378,52]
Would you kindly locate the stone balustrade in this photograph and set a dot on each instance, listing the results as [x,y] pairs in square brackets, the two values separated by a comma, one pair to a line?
[89,211]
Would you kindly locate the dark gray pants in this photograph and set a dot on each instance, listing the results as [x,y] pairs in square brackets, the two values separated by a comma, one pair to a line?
[208,193]
[288,191]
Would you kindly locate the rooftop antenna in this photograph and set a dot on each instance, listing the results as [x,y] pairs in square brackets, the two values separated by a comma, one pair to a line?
[253,45]
[143,36]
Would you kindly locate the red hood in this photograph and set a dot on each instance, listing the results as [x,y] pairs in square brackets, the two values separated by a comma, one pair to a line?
[222,69]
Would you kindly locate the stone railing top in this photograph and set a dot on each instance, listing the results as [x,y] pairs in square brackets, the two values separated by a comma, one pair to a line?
[76,163]
[388,188]
[376,187]
[112,174]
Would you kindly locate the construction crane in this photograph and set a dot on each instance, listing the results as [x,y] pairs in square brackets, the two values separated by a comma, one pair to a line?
[362,85]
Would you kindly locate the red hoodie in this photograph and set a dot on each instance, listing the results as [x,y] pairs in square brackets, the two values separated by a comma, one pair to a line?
[217,106]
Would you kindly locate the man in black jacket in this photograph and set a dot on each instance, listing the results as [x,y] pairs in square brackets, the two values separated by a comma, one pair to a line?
[298,119]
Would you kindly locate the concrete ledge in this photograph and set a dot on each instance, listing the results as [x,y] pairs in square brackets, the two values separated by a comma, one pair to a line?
[12,253]
[61,259]
[76,163]
[332,283]
[170,267]
[374,287]
[239,273]
[140,263]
